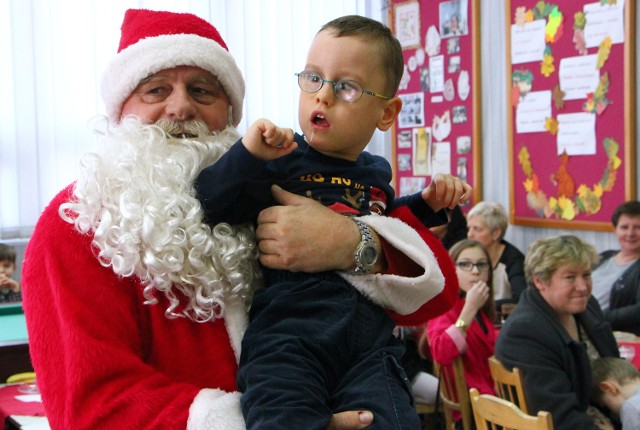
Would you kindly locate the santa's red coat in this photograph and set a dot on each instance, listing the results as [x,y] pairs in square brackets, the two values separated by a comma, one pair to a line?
[103,359]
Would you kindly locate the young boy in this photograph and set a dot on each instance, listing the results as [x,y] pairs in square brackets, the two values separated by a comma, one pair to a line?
[316,346]
[616,385]
[9,288]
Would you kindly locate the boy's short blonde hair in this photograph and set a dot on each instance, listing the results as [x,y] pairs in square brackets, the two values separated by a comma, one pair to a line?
[391,58]
[615,368]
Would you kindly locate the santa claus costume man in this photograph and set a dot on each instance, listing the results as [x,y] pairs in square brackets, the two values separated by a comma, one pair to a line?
[135,308]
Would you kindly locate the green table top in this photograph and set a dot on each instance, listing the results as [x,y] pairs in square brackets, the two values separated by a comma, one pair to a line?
[13,326]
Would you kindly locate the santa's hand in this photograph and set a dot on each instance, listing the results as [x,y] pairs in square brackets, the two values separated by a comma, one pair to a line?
[350,420]
[446,191]
[294,236]
[267,141]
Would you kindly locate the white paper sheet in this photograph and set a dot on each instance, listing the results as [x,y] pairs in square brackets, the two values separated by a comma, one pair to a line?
[577,133]
[528,42]
[533,111]
[579,76]
[603,21]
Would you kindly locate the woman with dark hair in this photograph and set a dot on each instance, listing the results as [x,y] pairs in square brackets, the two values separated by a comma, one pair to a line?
[467,329]
[454,230]
[616,278]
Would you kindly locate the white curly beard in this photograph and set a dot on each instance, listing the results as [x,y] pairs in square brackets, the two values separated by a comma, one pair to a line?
[137,198]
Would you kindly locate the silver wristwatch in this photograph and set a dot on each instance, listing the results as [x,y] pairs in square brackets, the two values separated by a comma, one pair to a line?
[367,251]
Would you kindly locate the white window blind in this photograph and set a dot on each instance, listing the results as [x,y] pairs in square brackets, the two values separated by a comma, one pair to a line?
[53,55]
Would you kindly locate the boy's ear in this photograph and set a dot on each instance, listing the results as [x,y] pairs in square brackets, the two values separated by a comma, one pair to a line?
[391,111]
[609,387]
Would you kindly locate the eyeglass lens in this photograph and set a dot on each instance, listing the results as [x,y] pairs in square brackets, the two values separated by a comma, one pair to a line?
[345,90]
[467,266]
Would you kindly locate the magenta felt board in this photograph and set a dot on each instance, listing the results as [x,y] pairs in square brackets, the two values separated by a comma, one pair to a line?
[438,129]
[571,113]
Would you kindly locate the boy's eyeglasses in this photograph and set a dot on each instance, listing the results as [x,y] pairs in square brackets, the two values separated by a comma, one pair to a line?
[344,89]
[467,266]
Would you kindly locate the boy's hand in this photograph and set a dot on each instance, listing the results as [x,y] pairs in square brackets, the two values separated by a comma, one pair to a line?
[446,191]
[267,141]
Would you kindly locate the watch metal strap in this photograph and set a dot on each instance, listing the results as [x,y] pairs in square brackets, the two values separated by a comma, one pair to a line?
[366,239]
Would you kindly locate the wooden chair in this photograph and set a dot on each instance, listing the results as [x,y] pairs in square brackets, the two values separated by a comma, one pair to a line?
[509,383]
[25,377]
[454,394]
[492,413]
[426,408]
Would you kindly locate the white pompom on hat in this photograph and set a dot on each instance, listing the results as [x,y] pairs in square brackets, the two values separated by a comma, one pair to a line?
[155,40]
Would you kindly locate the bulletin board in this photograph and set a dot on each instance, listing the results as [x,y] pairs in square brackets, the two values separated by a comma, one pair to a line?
[571,116]
[438,129]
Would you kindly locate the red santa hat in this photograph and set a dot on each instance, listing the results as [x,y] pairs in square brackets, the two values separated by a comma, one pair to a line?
[152,41]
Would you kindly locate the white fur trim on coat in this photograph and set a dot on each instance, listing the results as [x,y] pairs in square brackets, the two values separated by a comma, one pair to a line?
[215,409]
[400,294]
[150,55]
[236,320]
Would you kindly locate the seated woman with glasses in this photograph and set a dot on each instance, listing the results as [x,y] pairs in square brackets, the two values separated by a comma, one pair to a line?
[467,329]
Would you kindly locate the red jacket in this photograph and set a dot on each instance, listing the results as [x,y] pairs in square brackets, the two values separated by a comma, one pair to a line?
[106,360]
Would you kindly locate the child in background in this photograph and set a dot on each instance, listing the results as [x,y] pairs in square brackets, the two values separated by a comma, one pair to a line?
[467,329]
[9,288]
[315,345]
[616,385]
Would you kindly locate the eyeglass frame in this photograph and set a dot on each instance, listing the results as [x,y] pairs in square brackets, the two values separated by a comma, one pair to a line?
[334,83]
[485,264]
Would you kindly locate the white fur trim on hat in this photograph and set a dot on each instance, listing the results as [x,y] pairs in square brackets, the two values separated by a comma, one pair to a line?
[150,55]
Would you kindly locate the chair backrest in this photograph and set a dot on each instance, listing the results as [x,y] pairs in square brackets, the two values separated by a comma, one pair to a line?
[509,383]
[427,408]
[454,394]
[492,413]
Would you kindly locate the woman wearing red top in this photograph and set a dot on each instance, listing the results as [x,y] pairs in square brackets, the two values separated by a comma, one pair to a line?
[467,329]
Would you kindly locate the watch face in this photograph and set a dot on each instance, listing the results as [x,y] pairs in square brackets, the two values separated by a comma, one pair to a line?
[369,255]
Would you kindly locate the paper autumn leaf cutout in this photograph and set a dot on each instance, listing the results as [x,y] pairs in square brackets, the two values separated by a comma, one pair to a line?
[525,162]
[567,208]
[580,42]
[603,52]
[558,97]
[586,200]
[547,68]
[598,101]
[551,125]
[579,21]
[515,95]
[553,29]
[609,176]
[520,16]
[542,10]
[563,207]
[608,1]
[528,185]
[603,87]
[521,84]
